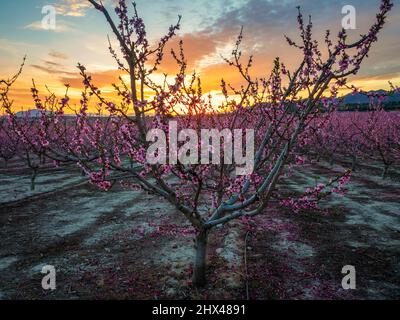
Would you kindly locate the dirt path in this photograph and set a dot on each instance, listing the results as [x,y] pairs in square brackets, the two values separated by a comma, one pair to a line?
[300,256]
[129,244]
[117,244]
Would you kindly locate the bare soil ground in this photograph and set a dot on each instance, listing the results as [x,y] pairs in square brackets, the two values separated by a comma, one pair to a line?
[126,244]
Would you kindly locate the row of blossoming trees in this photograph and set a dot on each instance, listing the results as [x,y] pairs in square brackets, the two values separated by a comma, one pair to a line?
[114,147]
[357,137]
[348,137]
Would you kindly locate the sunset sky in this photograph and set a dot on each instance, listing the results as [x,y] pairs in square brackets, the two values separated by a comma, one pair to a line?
[209,29]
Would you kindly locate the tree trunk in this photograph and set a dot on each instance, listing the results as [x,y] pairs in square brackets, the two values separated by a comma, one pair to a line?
[332,160]
[199,269]
[33,178]
[385,172]
[353,163]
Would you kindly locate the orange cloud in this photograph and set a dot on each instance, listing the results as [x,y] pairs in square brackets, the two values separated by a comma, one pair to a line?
[100,79]
[196,47]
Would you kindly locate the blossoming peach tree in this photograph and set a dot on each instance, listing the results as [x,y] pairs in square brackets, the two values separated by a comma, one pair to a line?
[358,136]
[276,108]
